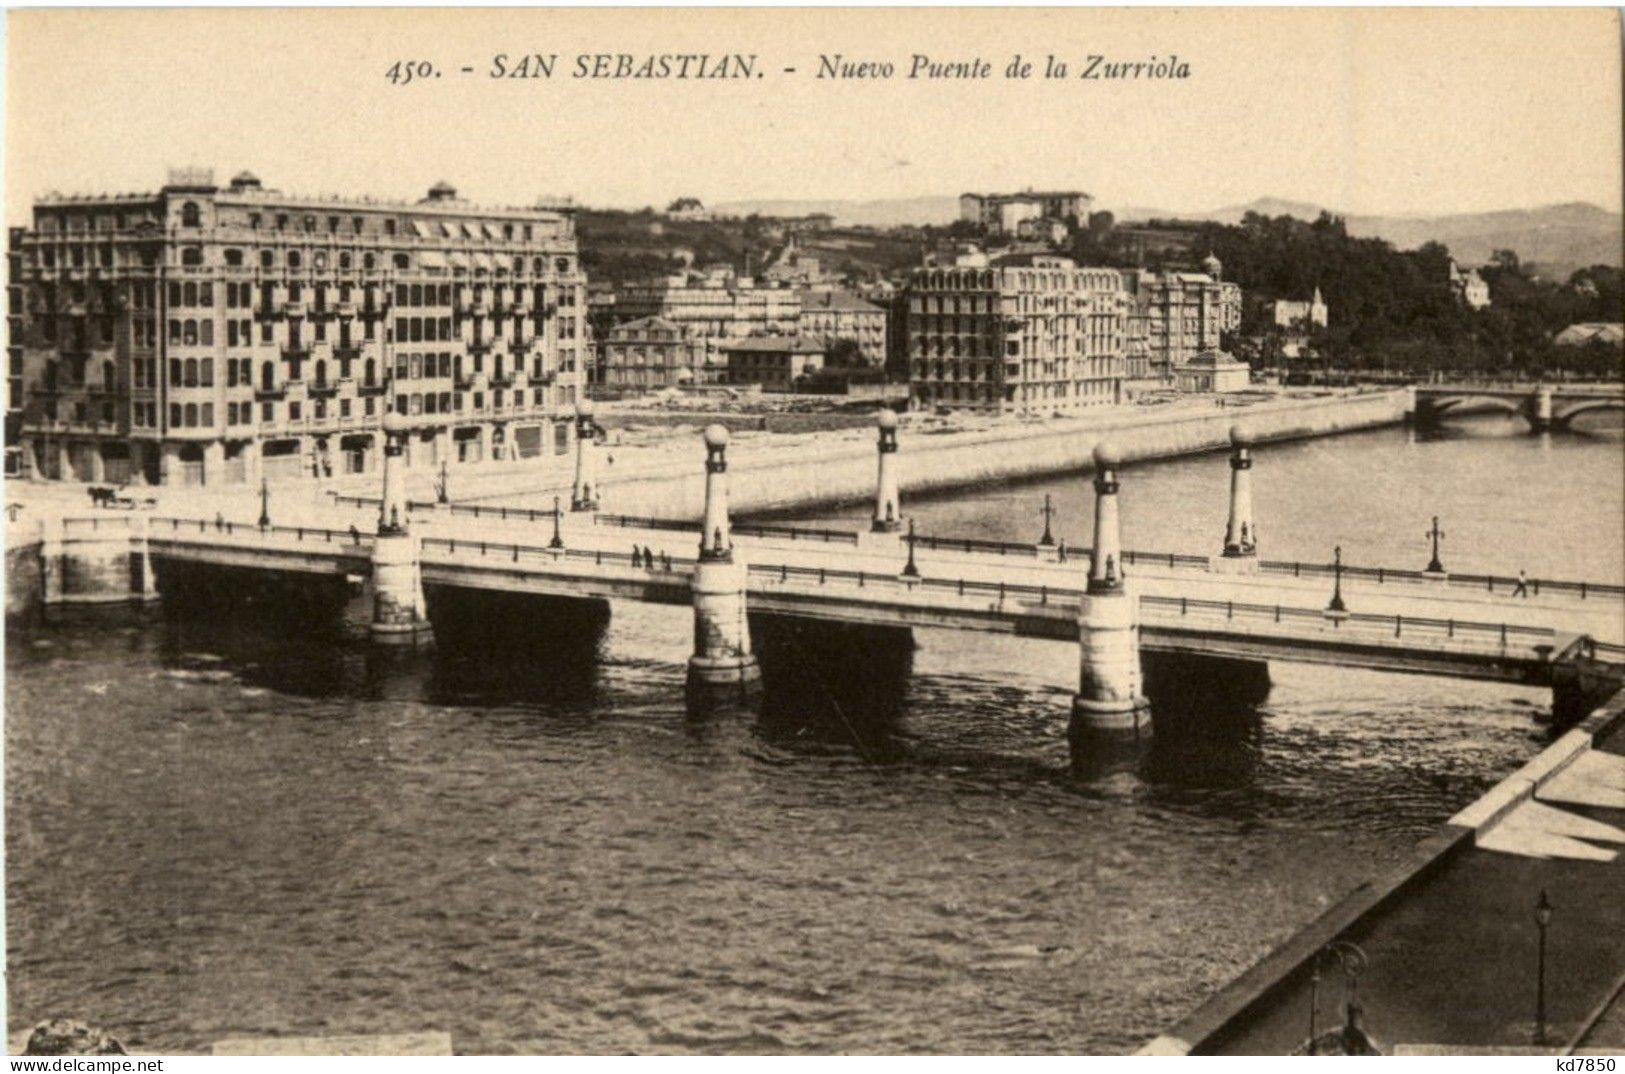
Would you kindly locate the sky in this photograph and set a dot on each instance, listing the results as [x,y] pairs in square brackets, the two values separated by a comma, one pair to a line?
[1364,110]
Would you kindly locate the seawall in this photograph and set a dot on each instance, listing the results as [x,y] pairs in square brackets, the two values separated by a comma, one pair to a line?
[778,480]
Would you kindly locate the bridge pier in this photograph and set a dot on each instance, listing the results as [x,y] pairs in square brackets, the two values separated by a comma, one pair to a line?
[1111,692]
[723,668]
[584,491]
[399,612]
[1539,410]
[1240,554]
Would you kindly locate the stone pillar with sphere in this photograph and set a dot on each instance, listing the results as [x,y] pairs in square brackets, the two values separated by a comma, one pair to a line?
[1111,693]
[399,611]
[722,653]
[584,491]
[1240,554]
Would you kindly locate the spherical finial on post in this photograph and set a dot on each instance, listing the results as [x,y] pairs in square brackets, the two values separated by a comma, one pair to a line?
[716,435]
[887,418]
[583,408]
[1107,456]
[394,423]
[1240,437]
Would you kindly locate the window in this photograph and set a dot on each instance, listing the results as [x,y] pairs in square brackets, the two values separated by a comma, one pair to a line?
[267,259]
[191,256]
[294,411]
[234,258]
[190,216]
[267,377]
[191,416]
[206,372]
[267,412]
[293,259]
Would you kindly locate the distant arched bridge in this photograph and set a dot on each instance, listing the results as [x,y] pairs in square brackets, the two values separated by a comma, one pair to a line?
[1545,407]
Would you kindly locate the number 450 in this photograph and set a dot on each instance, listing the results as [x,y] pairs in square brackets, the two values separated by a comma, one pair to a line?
[404,71]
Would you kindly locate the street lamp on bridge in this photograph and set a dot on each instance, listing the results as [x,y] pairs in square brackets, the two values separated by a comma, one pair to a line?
[558,540]
[1337,604]
[1048,511]
[265,503]
[909,569]
[1434,566]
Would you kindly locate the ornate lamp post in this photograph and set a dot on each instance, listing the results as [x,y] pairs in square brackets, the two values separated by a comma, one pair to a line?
[1434,566]
[1352,961]
[440,488]
[557,541]
[1047,512]
[265,503]
[1336,604]
[1543,918]
[909,569]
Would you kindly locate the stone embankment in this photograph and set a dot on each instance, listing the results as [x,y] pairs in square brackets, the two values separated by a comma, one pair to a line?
[774,479]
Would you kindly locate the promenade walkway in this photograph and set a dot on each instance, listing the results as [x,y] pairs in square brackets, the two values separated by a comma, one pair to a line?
[1451,940]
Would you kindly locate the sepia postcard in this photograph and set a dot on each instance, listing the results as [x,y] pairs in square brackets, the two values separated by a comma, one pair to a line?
[813,531]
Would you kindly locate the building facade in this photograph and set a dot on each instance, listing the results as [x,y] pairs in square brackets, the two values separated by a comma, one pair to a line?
[1299,316]
[1177,315]
[1469,287]
[651,354]
[832,316]
[711,307]
[1034,335]
[774,363]
[206,335]
[1212,371]
[1003,213]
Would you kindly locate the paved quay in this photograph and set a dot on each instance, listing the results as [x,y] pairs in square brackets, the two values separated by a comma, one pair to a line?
[1451,941]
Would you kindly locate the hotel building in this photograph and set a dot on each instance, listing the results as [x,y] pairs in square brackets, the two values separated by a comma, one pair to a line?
[1032,335]
[206,335]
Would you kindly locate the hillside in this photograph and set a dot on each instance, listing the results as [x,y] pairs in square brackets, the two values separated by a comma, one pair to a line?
[1557,238]
[1560,239]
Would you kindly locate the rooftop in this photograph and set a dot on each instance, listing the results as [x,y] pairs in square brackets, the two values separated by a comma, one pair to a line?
[774,345]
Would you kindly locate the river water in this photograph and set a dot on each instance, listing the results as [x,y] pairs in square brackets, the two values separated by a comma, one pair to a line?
[233,820]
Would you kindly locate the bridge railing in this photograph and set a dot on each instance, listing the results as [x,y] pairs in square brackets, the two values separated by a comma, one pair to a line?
[226,528]
[1499,636]
[96,524]
[648,522]
[1489,583]
[1399,626]
[518,553]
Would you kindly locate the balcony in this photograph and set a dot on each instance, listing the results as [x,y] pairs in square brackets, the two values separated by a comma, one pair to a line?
[374,389]
[296,353]
[267,395]
[325,390]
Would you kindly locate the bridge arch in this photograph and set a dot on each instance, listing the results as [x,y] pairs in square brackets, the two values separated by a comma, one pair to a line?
[1563,417]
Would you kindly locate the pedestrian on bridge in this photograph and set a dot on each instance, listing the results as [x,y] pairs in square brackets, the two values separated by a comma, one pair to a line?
[355,534]
[1522,588]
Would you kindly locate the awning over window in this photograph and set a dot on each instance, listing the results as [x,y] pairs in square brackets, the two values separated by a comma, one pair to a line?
[421,229]
[458,260]
[484,263]
[491,231]
[470,230]
[449,229]
[432,259]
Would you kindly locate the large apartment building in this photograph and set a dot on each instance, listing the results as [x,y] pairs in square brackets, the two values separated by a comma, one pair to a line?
[833,316]
[1032,334]
[206,334]
[1177,315]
